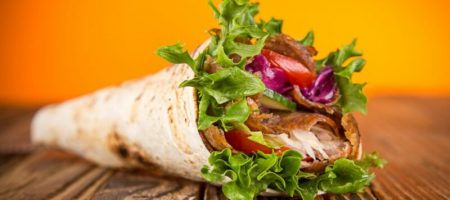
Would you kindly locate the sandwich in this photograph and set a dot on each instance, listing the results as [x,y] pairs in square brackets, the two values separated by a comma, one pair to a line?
[251,109]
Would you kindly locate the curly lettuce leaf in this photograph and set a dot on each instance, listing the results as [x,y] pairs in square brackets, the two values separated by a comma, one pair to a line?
[239,39]
[227,84]
[222,96]
[371,160]
[245,176]
[236,18]
[235,112]
[345,176]
[350,176]
[273,26]
[210,113]
[175,54]
[204,119]
[308,40]
[235,12]
[352,96]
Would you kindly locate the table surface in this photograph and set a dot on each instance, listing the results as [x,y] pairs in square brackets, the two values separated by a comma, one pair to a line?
[412,133]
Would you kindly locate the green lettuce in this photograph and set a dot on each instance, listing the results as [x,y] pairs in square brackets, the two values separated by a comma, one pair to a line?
[227,84]
[273,26]
[222,94]
[258,137]
[245,176]
[308,40]
[233,112]
[236,19]
[177,55]
[352,97]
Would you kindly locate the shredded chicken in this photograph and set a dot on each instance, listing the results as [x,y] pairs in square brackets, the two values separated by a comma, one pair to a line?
[319,144]
[314,135]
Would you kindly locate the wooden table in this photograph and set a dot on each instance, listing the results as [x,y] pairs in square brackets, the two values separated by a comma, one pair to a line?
[412,133]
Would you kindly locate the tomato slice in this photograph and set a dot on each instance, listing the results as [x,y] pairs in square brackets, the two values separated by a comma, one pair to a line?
[296,72]
[239,141]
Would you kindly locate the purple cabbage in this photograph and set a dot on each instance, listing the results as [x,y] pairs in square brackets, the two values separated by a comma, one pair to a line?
[274,78]
[324,87]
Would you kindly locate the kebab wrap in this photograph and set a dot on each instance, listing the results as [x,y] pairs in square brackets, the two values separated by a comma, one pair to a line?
[141,123]
[251,109]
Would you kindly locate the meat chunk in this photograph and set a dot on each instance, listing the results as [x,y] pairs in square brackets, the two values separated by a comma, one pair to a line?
[351,132]
[287,46]
[323,107]
[216,138]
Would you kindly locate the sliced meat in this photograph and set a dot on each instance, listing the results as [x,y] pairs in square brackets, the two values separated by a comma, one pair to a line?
[287,46]
[260,120]
[216,138]
[264,122]
[311,50]
[305,121]
[303,101]
[351,132]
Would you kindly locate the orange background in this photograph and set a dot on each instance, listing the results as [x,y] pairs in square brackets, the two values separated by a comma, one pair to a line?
[54,50]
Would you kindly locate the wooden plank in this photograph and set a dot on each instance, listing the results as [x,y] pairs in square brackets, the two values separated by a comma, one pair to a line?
[85,186]
[142,185]
[92,189]
[14,134]
[42,175]
[367,194]
[8,114]
[9,161]
[413,135]
[212,192]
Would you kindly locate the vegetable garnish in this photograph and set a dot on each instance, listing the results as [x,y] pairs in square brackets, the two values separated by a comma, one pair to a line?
[352,97]
[274,78]
[296,72]
[249,175]
[239,140]
[220,89]
[239,78]
[324,87]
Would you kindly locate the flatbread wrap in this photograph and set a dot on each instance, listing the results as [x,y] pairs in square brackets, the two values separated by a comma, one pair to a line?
[250,109]
[109,126]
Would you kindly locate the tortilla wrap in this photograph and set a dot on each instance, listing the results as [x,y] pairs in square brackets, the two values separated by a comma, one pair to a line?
[151,122]
[140,123]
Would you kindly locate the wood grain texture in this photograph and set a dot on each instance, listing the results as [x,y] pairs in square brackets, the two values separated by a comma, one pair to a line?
[14,130]
[412,133]
[42,175]
[142,185]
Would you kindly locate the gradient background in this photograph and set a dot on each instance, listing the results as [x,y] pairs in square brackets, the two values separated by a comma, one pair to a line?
[54,50]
